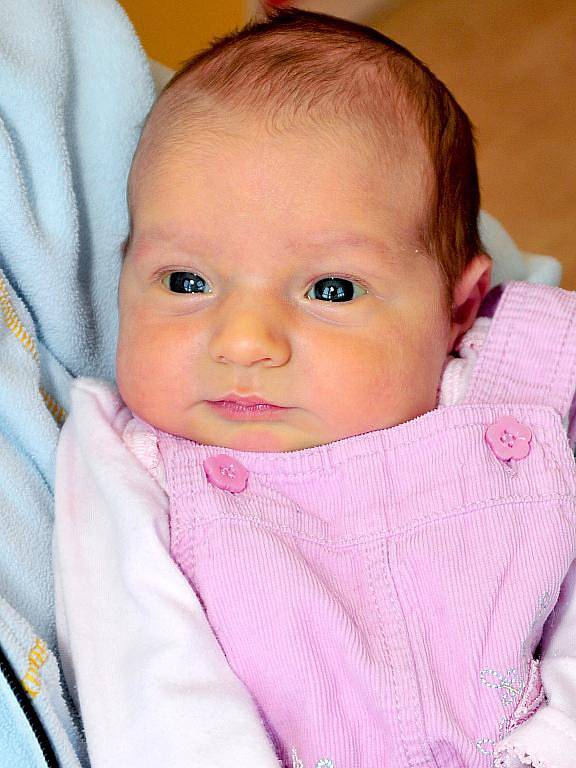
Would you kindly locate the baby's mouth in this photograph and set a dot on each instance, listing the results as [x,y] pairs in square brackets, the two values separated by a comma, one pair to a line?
[236,411]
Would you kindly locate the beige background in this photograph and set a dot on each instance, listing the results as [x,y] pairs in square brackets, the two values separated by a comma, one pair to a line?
[173,30]
[510,63]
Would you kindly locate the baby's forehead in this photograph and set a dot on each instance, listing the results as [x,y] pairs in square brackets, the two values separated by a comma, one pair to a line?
[174,127]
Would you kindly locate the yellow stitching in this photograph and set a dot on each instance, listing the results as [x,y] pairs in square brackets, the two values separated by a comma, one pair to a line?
[13,323]
[54,407]
[36,658]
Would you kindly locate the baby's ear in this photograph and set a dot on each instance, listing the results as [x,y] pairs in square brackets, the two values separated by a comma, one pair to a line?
[469,291]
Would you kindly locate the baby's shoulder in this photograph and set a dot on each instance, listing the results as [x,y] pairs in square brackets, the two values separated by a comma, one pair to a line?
[97,399]
[99,415]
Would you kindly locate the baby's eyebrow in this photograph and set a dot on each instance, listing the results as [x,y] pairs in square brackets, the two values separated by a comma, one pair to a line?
[317,239]
[171,234]
[321,242]
[343,240]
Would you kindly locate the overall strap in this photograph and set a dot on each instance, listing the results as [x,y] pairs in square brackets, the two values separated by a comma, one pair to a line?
[529,355]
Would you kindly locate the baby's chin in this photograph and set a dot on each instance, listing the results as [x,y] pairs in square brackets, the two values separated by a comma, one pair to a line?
[262,439]
[257,438]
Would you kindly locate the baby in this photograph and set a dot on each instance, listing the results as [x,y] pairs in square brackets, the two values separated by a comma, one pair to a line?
[357,457]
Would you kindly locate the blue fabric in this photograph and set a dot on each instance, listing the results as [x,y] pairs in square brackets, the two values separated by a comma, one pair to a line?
[32,662]
[75,88]
[18,748]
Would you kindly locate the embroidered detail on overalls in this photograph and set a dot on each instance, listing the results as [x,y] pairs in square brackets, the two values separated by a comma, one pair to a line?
[36,658]
[297,763]
[532,697]
[485,745]
[510,687]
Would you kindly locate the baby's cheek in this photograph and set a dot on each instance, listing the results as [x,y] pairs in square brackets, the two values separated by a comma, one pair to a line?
[156,367]
[428,363]
[420,357]
[131,382]
[136,364]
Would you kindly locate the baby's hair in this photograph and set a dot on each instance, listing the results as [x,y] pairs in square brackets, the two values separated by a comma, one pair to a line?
[300,68]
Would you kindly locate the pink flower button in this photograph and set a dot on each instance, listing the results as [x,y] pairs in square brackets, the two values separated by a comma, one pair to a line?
[226,473]
[508,438]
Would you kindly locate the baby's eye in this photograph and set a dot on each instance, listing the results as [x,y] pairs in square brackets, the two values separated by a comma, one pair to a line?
[183,282]
[334,289]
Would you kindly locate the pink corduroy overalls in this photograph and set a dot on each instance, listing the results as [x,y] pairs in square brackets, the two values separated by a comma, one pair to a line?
[381,596]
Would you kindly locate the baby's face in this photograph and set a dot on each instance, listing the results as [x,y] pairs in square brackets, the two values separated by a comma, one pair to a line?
[240,248]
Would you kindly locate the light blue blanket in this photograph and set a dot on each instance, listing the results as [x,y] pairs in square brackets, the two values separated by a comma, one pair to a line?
[75,88]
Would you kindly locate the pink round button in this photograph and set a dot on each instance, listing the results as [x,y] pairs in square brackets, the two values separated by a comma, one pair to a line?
[226,473]
[508,438]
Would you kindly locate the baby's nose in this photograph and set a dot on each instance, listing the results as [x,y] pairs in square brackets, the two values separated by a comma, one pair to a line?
[250,336]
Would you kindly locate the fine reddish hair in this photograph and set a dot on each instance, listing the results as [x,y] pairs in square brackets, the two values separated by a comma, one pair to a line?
[296,66]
